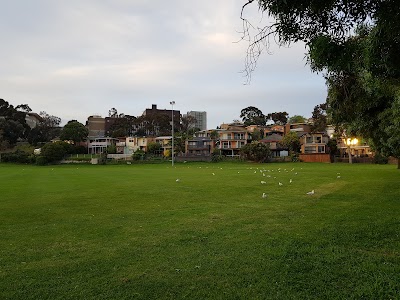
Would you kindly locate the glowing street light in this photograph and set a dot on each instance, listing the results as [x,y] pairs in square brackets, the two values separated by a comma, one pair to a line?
[350,142]
[172,104]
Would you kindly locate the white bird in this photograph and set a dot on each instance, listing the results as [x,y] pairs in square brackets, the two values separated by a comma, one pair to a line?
[268,176]
[263,174]
[295,173]
[280,183]
[264,195]
[255,172]
[213,173]
[338,176]
[311,193]
[263,182]
[290,181]
[178,180]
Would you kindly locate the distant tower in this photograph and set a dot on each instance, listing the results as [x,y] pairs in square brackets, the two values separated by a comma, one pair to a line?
[201,119]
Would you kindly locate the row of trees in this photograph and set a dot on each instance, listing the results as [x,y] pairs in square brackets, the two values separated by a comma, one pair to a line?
[13,127]
[148,125]
[254,116]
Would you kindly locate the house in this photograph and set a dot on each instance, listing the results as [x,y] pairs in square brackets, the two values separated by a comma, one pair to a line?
[199,146]
[314,142]
[166,144]
[314,147]
[274,141]
[33,119]
[232,138]
[99,145]
[96,126]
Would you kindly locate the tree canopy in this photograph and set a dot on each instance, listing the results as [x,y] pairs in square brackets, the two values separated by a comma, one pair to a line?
[252,116]
[74,131]
[355,43]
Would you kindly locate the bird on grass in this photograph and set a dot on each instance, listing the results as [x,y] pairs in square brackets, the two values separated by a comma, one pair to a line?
[264,195]
[311,193]
[290,181]
[263,182]
[280,183]
[213,173]
[338,176]
[178,180]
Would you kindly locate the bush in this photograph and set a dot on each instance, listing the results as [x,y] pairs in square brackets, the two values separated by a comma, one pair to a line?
[54,152]
[18,156]
[380,159]
[41,160]
[138,155]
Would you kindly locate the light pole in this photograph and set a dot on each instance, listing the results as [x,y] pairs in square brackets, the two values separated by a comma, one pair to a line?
[350,142]
[172,104]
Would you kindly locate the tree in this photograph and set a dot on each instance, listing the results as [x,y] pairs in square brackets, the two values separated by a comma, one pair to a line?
[296,119]
[252,116]
[292,141]
[113,113]
[356,44]
[46,130]
[256,151]
[74,131]
[53,152]
[320,118]
[279,118]
[12,124]
[187,123]
[257,134]
[154,148]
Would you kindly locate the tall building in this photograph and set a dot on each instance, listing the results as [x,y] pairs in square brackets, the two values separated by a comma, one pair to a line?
[158,112]
[96,126]
[200,119]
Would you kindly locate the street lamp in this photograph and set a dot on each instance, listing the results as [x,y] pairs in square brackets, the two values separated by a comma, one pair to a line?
[350,142]
[172,104]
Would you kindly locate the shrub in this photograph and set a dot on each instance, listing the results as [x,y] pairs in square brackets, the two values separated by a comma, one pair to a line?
[380,159]
[55,151]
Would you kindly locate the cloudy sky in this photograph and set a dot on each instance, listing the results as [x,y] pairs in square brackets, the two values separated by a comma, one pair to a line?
[79,58]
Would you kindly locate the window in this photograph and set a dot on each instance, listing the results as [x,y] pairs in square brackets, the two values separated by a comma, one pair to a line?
[239,136]
[318,139]
[321,149]
[225,145]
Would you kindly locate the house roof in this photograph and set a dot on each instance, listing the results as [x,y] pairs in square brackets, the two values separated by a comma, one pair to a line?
[272,138]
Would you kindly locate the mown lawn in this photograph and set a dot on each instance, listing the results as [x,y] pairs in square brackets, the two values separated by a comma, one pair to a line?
[134,232]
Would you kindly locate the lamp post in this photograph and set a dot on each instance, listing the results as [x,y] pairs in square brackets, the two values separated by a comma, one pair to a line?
[350,142]
[172,104]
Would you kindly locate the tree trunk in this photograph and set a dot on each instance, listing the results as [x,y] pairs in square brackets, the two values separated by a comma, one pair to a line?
[349,153]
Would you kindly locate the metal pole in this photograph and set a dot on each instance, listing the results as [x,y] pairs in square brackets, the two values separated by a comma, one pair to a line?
[172,103]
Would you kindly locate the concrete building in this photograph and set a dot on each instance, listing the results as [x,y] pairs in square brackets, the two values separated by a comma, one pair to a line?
[96,126]
[200,119]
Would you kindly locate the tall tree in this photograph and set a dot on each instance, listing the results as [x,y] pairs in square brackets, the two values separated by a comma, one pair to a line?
[292,141]
[47,129]
[12,124]
[74,131]
[296,119]
[279,118]
[320,118]
[252,116]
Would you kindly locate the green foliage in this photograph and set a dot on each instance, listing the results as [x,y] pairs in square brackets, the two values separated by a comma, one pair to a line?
[154,148]
[296,119]
[320,118]
[256,151]
[279,118]
[54,152]
[291,141]
[138,155]
[112,149]
[12,125]
[74,131]
[380,159]
[18,156]
[252,116]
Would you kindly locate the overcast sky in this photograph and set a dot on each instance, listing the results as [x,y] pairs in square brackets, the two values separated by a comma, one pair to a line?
[79,58]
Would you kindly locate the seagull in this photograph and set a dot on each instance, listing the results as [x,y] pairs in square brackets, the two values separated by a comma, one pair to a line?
[264,195]
[263,182]
[290,181]
[280,183]
[338,176]
[311,193]
[255,172]
[295,173]
[213,173]
[178,180]
[263,174]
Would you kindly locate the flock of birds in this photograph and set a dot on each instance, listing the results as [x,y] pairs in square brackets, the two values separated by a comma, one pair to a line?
[265,172]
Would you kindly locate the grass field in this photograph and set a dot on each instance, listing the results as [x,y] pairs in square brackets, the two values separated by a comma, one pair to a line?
[134,232]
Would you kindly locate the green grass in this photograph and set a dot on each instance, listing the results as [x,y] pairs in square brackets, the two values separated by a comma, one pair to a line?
[133,232]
